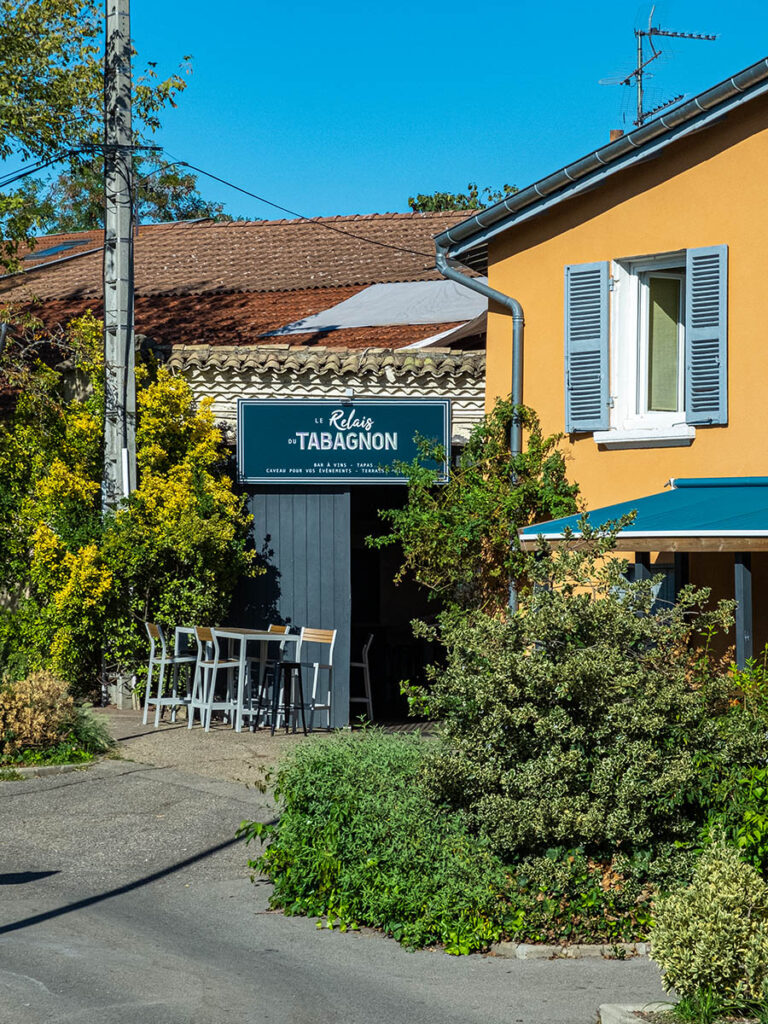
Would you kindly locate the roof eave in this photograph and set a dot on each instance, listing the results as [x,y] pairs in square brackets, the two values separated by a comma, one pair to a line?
[467,241]
[656,542]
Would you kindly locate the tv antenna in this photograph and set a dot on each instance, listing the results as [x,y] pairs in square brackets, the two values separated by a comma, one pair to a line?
[637,76]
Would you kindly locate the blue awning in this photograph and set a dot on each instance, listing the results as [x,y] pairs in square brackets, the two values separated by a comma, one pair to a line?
[698,514]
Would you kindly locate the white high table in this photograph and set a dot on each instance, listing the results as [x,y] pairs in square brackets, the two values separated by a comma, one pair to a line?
[244,637]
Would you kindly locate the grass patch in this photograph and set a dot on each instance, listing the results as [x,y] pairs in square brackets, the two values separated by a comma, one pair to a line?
[62,753]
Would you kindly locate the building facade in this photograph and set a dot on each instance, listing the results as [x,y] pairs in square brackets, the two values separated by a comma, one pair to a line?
[641,272]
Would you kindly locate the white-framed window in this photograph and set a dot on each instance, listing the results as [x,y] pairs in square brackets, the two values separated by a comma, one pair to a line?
[645,347]
[647,350]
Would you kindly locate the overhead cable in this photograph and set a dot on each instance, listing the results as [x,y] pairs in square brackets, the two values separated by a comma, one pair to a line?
[300,216]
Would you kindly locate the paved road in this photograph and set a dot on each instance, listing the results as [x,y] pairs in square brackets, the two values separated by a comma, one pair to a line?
[124,900]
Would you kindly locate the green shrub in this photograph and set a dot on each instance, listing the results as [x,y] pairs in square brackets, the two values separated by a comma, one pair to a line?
[566,896]
[459,540]
[713,935]
[582,721]
[738,805]
[360,843]
[734,788]
[78,584]
[89,732]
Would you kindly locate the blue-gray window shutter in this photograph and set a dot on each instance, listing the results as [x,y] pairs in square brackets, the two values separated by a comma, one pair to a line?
[706,335]
[586,347]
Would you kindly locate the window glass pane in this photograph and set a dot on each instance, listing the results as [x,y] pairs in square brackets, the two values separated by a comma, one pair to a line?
[663,358]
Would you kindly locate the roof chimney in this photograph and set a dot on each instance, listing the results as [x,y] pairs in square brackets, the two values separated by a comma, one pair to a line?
[616,133]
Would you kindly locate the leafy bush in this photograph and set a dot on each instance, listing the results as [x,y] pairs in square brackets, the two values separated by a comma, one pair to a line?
[34,712]
[78,584]
[566,896]
[714,933]
[40,723]
[579,722]
[459,541]
[360,843]
[738,803]
[734,790]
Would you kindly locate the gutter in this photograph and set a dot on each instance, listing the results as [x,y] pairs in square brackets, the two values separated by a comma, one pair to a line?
[518,327]
[637,145]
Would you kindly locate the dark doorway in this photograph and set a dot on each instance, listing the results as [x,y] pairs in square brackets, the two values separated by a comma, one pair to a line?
[385,609]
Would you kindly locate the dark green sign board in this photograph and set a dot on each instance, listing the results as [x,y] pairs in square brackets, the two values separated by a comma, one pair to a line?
[290,442]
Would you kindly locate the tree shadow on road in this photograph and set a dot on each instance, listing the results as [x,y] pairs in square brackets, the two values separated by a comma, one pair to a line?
[90,901]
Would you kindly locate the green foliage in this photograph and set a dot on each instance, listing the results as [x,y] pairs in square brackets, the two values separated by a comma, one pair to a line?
[713,935]
[78,585]
[359,843]
[582,721]
[460,540]
[74,201]
[705,1006]
[89,732]
[734,789]
[179,547]
[474,199]
[566,896]
[52,96]
[738,808]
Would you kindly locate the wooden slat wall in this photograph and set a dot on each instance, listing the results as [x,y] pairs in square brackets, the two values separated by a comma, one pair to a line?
[305,534]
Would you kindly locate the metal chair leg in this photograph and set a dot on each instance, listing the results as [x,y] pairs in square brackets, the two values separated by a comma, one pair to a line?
[160,681]
[150,674]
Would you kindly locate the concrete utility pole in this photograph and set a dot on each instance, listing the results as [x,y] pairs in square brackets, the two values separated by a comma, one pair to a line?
[120,383]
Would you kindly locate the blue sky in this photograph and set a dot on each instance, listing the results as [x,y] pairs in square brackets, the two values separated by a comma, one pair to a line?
[350,108]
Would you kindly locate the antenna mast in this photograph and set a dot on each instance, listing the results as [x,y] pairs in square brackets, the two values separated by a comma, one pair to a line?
[642,63]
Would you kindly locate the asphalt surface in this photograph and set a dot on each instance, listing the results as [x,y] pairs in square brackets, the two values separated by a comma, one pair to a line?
[124,899]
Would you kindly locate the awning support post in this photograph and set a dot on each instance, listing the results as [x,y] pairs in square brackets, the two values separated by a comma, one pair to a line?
[682,571]
[642,565]
[742,569]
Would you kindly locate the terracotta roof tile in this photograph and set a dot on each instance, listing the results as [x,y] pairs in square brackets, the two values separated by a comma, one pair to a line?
[239,318]
[232,283]
[253,256]
[295,359]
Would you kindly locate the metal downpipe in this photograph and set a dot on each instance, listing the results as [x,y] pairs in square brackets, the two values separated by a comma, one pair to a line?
[518,326]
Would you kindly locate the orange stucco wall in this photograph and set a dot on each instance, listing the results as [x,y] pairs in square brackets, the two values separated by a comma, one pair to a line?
[710,189]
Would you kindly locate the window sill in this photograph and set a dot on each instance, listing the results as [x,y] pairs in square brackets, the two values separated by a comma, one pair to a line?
[646,437]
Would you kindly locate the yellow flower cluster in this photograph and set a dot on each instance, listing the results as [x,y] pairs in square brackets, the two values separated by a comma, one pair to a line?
[62,484]
[173,551]
[170,424]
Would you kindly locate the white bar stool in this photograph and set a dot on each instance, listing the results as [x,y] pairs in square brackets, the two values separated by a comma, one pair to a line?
[173,700]
[204,684]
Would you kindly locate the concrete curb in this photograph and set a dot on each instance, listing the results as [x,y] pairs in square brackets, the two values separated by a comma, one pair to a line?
[577,951]
[40,770]
[623,1013]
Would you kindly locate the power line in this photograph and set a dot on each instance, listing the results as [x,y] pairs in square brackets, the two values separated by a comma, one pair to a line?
[34,169]
[173,162]
[301,216]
